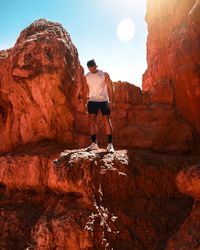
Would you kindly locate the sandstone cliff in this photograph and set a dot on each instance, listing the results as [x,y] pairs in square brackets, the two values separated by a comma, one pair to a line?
[173,52]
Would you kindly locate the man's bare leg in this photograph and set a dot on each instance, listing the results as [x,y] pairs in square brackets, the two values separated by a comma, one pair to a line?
[93,131]
[108,124]
[93,124]
[109,131]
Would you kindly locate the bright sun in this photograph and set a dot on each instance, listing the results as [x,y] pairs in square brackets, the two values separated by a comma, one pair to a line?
[126,30]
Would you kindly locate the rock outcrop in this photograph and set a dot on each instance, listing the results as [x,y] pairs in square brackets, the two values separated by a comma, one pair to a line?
[37,79]
[89,200]
[188,235]
[173,52]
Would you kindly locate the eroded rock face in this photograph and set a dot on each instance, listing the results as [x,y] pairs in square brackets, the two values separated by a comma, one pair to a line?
[187,237]
[90,200]
[173,52]
[37,78]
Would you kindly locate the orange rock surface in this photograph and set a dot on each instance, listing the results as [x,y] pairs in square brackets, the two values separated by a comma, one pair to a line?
[89,200]
[187,236]
[173,52]
[36,82]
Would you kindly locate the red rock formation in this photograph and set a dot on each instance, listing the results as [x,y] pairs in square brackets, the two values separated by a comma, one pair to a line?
[188,235]
[87,200]
[173,56]
[173,52]
[37,78]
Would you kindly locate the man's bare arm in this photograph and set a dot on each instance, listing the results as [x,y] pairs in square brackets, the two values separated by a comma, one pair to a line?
[110,88]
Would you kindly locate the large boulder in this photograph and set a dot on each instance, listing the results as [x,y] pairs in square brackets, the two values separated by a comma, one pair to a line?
[38,77]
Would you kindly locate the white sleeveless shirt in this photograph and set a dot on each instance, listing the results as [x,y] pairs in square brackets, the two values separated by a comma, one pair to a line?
[97,86]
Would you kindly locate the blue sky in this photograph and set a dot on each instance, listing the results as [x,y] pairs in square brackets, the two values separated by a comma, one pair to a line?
[92,25]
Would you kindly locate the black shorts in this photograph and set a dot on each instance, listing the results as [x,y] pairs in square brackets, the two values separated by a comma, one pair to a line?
[94,107]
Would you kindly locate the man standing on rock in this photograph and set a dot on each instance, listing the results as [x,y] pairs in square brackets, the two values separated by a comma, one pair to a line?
[99,95]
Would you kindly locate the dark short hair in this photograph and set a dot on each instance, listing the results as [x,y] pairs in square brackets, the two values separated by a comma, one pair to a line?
[91,63]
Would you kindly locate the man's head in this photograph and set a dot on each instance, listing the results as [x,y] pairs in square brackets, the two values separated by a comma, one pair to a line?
[92,66]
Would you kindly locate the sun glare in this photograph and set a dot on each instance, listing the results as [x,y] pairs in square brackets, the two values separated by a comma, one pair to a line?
[126,30]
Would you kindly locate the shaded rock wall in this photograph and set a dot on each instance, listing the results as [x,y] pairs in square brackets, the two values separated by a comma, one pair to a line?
[173,52]
[90,200]
[188,235]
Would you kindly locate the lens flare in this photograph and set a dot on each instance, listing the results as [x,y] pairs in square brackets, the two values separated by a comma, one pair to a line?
[126,30]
